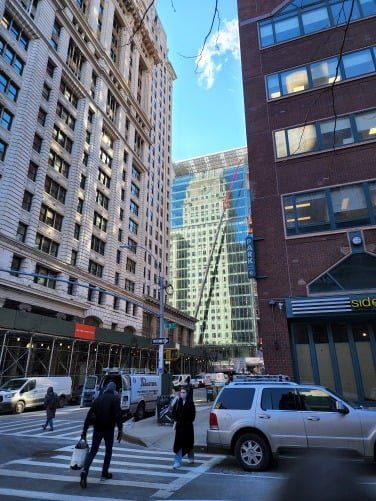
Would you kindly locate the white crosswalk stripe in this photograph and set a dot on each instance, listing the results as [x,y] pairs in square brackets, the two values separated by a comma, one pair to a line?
[132,467]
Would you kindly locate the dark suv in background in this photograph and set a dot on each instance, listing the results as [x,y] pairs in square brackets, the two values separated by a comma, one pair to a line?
[256,418]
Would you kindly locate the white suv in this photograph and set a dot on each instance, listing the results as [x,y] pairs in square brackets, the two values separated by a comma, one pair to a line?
[256,419]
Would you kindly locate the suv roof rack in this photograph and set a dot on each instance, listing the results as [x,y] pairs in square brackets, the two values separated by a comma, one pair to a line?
[280,378]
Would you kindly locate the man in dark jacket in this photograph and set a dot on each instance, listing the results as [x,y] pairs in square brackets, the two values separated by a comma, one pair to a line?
[51,402]
[105,413]
[184,413]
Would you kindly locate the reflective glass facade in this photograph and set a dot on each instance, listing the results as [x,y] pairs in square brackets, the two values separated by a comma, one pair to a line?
[226,312]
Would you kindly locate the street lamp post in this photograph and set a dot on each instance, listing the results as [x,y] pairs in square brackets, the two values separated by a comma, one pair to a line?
[162,286]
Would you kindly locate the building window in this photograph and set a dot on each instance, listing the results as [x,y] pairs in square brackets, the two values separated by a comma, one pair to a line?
[46,277]
[294,21]
[61,138]
[74,256]
[75,59]
[46,92]
[16,265]
[129,285]
[37,143]
[131,265]
[136,173]
[118,256]
[8,87]
[68,94]
[95,269]
[77,231]
[321,73]
[80,205]
[21,232]
[98,245]
[65,115]
[117,278]
[330,209]
[327,134]
[32,171]
[55,190]
[132,245]
[135,190]
[11,57]
[58,163]
[133,226]
[27,200]
[72,286]
[50,70]
[120,235]
[104,179]
[42,115]
[102,199]
[15,30]
[46,245]
[100,221]
[56,30]
[133,208]
[105,158]
[83,182]
[6,118]
[50,217]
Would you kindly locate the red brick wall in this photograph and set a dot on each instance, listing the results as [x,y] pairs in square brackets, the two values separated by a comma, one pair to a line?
[288,264]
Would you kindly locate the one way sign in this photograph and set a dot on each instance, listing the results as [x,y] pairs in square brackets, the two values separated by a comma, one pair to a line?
[160,340]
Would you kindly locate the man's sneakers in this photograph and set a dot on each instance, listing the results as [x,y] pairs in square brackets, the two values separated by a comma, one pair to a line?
[106,476]
[83,481]
[176,465]
[44,427]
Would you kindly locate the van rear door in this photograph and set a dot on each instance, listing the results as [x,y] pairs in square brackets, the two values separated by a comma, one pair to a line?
[125,395]
[89,391]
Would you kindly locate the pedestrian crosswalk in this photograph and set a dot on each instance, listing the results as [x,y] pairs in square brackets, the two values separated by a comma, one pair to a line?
[132,468]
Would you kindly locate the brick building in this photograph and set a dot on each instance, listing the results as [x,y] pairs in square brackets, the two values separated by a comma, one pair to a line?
[309,83]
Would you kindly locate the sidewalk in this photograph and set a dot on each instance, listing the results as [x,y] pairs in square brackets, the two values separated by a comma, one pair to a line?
[149,433]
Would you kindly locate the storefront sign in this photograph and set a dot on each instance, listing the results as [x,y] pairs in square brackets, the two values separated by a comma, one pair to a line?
[84,331]
[251,264]
[311,306]
[364,303]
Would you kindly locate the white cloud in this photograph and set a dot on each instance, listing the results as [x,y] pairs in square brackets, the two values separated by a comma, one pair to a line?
[220,43]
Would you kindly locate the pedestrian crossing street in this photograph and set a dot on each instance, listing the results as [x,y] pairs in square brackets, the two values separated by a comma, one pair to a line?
[133,467]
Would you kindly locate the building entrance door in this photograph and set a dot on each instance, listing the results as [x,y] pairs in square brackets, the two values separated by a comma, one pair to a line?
[339,355]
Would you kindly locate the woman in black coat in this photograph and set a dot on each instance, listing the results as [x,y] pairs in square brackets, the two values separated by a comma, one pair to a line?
[184,413]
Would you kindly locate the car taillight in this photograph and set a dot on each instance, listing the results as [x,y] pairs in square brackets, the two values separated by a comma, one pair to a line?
[213,421]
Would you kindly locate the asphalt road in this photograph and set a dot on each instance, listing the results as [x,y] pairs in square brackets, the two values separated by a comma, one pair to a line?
[35,465]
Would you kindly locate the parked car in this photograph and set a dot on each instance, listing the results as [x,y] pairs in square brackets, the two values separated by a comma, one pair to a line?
[256,420]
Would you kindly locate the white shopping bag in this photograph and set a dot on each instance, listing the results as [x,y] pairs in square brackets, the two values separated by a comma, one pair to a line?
[80,452]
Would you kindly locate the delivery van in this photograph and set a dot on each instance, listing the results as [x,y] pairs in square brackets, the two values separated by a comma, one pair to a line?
[23,393]
[216,379]
[180,380]
[138,391]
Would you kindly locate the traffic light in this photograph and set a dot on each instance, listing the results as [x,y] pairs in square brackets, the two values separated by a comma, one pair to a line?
[172,354]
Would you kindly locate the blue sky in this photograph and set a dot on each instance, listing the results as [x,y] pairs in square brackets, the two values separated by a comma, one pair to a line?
[208,107]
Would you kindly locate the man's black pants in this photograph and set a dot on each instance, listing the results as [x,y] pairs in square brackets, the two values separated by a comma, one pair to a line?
[108,436]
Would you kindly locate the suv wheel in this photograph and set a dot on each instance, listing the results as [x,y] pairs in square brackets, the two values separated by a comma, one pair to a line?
[252,452]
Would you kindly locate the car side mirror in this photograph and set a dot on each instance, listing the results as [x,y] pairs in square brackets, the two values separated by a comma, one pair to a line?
[341,408]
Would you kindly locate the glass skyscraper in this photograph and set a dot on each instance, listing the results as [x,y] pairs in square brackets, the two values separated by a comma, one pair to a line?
[208,265]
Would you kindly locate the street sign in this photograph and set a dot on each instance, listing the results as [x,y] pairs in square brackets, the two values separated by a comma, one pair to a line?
[160,340]
[169,325]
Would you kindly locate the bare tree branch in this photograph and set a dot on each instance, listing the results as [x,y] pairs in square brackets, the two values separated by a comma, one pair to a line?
[138,27]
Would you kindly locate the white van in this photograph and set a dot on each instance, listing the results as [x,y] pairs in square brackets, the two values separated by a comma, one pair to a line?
[216,379]
[138,391]
[23,393]
[179,380]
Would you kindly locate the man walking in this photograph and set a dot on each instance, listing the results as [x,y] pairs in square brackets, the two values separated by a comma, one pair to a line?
[105,413]
[50,404]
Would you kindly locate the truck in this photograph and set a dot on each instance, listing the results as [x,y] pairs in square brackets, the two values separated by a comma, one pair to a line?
[22,393]
[138,391]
